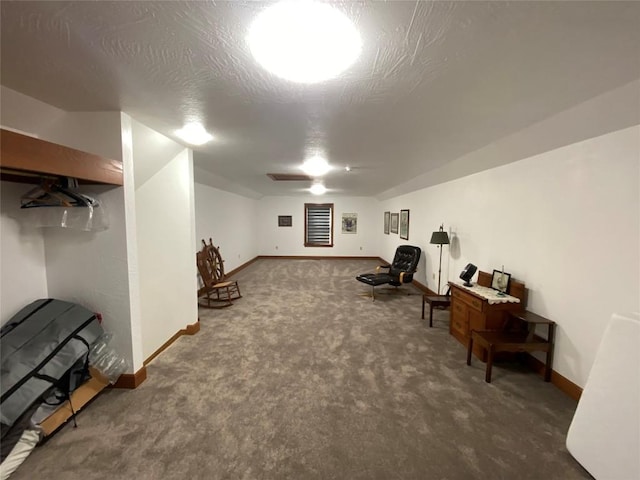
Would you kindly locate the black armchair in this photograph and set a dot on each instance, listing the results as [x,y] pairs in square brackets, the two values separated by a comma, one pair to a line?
[401,270]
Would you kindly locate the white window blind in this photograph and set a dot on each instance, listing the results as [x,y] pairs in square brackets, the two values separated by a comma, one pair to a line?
[318,225]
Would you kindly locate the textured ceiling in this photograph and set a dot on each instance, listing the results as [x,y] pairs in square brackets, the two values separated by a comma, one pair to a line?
[435,81]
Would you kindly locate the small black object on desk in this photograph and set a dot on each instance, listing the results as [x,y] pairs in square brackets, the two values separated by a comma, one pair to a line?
[468,273]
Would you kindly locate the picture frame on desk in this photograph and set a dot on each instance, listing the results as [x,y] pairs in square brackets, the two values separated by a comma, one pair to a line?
[500,281]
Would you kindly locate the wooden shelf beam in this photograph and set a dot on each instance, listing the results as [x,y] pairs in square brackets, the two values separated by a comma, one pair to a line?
[23,153]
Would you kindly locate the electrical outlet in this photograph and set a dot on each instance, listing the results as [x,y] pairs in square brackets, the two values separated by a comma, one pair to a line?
[276,247]
[360,248]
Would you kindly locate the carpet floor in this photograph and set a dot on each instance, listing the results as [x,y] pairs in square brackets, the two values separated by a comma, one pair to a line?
[304,378]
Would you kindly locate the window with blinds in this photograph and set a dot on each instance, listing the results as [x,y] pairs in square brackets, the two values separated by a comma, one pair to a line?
[318,224]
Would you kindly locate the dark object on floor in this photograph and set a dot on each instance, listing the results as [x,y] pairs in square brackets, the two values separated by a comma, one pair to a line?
[44,361]
[214,291]
[436,301]
[401,270]
[39,345]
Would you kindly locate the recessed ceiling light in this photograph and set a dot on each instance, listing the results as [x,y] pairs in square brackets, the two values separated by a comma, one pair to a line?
[315,166]
[317,189]
[304,41]
[347,168]
[194,133]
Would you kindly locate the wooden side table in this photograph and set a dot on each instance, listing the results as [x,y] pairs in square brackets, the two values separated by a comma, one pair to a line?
[442,301]
[515,340]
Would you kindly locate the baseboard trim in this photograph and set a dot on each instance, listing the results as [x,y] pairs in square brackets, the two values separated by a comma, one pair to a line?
[315,257]
[563,383]
[193,328]
[426,290]
[241,267]
[188,330]
[296,257]
[163,347]
[131,380]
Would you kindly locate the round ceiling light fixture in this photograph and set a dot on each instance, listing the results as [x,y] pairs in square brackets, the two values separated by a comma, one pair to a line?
[315,166]
[304,41]
[318,189]
[194,134]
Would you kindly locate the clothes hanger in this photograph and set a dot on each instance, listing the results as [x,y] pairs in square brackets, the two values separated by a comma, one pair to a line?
[51,194]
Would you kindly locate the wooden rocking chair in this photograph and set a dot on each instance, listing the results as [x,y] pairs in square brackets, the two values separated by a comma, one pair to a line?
[214,291]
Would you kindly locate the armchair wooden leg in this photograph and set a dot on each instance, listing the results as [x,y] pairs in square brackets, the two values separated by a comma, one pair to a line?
[469,349]
[430,315]
[487,376]
[423,308]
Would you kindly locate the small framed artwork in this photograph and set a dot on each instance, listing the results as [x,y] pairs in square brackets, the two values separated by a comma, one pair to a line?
[500,281]
[394,223]
[285,221]
[404,224]
[387,219]
[349,223]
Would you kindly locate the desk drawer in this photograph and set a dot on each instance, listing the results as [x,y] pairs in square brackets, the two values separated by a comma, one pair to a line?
[470,300]
[459,318]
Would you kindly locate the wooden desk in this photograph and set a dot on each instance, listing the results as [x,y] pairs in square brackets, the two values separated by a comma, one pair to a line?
[518,335]
[470,311]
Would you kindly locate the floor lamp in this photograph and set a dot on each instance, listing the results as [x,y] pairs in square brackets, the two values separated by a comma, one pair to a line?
[440,238]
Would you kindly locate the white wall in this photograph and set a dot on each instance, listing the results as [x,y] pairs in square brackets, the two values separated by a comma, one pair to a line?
[566,222]
[91,269]
[609,112]
[21,249]
[230,221]
[134,322]
[22,266]
[165,236]
[20,112]
[286,241]
[93,132]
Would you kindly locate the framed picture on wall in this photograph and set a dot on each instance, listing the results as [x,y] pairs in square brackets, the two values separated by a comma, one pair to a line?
[349,223]
[404,224]
[394,223]
[387,219]
[285,221]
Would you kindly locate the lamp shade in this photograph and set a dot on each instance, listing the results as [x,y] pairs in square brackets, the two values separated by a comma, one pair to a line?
[440,238]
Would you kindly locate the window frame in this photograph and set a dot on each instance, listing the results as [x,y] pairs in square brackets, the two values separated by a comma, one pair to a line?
[331,208]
